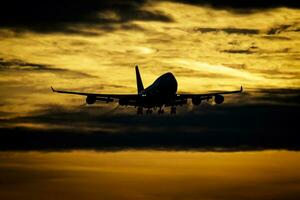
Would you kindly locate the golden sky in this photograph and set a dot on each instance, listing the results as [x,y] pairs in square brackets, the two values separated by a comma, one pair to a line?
[206,48]
[211,152]
[267,175]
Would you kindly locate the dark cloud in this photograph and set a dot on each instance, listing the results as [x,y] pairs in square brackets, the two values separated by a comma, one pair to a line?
[73,17]
[16,64]
[61,16]
[280,96]
[239,51]
[272,37]
[235,48]
[230,127]
[279,28]
[250,50]
[229,30]
[243,6]
[254,49]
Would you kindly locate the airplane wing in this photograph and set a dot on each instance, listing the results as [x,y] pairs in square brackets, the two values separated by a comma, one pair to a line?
[208,95]
[132,99]
[101,97]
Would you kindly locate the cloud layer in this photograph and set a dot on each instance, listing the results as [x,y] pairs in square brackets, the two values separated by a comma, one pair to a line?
[60,16]
[208,128]
[67,16]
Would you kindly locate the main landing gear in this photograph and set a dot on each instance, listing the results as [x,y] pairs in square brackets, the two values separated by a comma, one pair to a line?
[148,111]
[173,110]
[160,111]
[139,111]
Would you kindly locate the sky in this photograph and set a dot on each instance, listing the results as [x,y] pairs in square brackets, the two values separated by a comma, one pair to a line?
[93,47]
[53,147]
[150,175]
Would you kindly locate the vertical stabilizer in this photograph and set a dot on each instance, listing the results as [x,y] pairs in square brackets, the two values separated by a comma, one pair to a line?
[139,82]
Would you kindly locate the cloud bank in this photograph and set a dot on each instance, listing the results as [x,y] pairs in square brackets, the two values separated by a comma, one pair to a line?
[67,16]
[242,127]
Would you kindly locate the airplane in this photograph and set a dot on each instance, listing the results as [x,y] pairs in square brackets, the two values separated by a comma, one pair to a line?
[160,94]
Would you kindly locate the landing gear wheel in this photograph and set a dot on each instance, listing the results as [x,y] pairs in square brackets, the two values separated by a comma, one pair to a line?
[149,112]
[161,111]
[140,110]
[173,110]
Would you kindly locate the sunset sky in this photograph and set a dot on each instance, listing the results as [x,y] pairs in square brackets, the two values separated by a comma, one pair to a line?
[212,47]
[93,46]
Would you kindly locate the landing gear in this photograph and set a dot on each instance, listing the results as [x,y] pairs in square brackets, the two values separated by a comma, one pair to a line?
[173,110]
[148,111]
[160,111]
[140,111]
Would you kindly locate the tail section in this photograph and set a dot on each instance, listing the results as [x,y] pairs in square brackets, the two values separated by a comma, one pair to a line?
[139,81]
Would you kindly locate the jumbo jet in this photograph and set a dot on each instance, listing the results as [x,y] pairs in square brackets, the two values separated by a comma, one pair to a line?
[162,93]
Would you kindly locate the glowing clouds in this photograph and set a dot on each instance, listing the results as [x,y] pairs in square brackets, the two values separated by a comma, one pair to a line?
[207,48]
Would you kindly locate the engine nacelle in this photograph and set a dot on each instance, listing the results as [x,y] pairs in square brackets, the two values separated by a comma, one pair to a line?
[90,99]
[196,101]
[219,99]
[123,102]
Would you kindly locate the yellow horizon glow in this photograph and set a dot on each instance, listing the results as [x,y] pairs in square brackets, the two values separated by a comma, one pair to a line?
[149,174]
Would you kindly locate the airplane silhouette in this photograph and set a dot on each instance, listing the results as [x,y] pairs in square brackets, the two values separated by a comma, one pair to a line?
[162,93]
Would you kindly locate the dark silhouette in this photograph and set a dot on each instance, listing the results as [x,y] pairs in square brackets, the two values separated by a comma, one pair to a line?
[50,16]
[162,93]
[230,127]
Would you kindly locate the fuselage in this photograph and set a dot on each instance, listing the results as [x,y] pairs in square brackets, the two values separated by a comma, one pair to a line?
[161,92]
[165,85]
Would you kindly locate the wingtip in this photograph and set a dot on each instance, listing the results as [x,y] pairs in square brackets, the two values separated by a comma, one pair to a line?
[241,88]
[52,89]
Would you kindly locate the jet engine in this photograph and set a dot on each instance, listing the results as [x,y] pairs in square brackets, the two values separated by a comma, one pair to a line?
[196,101]
[219,99]
[90,99]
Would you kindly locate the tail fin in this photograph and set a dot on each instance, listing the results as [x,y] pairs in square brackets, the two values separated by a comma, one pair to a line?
[139,81]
